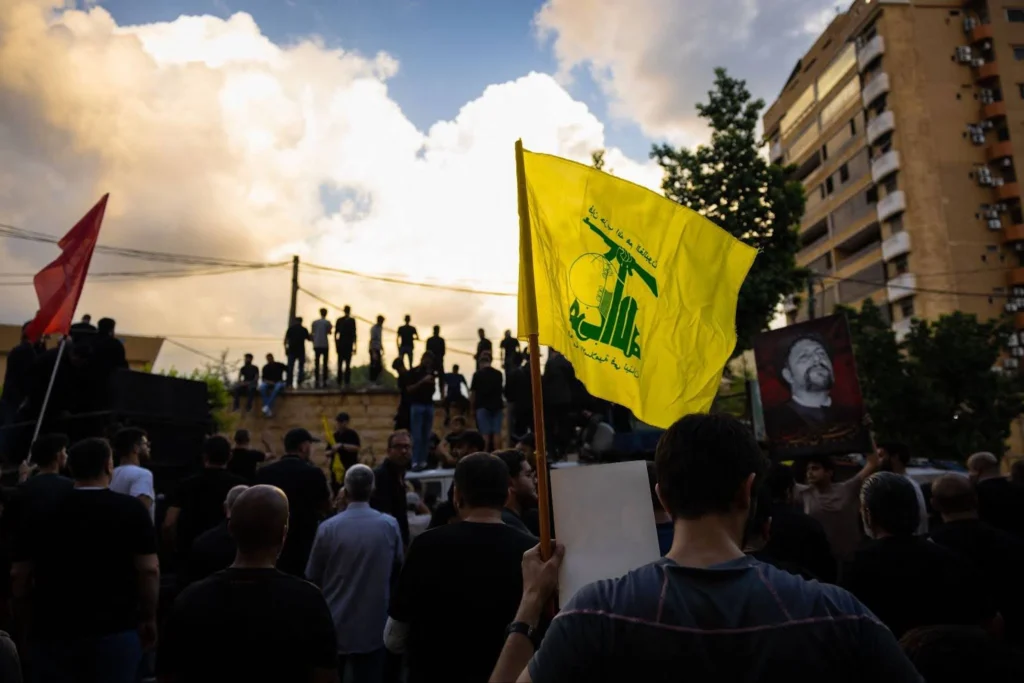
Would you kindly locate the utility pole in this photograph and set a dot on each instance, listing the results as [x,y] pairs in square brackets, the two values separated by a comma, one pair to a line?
[295,291]
[810,297]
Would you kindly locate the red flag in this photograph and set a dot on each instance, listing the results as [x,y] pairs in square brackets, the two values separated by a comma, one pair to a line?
[59,285]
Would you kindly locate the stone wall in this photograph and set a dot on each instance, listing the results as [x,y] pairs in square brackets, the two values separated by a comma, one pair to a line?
[372,415]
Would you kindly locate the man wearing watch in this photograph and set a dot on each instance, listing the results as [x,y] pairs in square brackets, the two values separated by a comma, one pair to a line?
[705,611]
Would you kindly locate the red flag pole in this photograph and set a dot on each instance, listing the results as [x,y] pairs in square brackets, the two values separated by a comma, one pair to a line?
[59,287]
[46,398]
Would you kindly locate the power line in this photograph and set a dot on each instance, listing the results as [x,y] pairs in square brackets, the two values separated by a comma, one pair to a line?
[193,350]
[916,290]
[369,322]
[132,276]
[410,283]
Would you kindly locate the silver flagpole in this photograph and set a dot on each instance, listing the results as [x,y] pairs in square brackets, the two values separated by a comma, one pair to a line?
[46,398]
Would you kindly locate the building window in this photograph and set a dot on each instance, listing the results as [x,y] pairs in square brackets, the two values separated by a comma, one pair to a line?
[829,187]
[844,173]
[872,195]
[1018,52]
[900,265]
[1015,15]
[824,149]
[853,126]
[896,224]
[821,188]
[1003,134]
[890,185]
[907,308]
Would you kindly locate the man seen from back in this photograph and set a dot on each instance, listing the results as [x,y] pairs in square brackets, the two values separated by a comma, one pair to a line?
[214,549]
[250,622]
[344,345]
[706,612]
[245,459]
[460,583]
[89,576]
[355,556]
[1000,503]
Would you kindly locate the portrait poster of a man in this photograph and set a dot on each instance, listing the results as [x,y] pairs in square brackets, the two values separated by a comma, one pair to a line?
[809,389]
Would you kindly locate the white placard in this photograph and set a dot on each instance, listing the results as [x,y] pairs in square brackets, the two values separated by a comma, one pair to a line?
[605,519]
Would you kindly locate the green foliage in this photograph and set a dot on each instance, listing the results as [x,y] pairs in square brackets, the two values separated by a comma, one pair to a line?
[361,378]
[731,183]
[937,391]
[597,159]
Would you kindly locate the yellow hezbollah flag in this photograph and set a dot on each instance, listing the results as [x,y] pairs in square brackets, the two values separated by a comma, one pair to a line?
[637,291]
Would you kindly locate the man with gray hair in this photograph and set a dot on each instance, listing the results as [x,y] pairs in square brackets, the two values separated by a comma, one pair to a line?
[214,549]
[354,556]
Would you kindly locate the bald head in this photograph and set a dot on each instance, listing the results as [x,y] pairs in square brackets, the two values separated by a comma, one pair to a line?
[358,483]
[232,496]
[952,494]
[983,465]
[259,519]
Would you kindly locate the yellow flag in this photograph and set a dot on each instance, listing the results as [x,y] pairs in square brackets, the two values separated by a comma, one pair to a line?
[637,291]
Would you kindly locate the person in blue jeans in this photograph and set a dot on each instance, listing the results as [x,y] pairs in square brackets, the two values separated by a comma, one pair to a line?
[273,383]
[420,392]
[487,403]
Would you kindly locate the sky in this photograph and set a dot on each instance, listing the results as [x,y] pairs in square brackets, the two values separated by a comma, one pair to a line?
[373,136]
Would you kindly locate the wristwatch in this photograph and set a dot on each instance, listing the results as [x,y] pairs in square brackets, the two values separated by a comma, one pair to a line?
[524,629]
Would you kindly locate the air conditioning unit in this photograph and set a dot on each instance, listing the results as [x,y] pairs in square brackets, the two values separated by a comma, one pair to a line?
[987,96]
[1011,363]
[984,176]
[995,224]
[1010,307]
[978,138]
[963,54]
[998,182]
[1012,341]
[978,63]
[1018,291]
[991,214]
[1017,352]
[970,23]
[1007,162]
[987,45]
[1001,208]
[987,125]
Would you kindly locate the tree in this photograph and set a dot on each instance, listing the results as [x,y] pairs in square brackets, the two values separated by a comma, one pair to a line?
[938,391]
[730,182]
[597,159]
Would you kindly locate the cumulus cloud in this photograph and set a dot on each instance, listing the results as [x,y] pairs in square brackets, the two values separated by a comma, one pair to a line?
[213,140]
[655,58]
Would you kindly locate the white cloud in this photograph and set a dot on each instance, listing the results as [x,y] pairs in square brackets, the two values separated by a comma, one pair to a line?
[212,140]
[655,58]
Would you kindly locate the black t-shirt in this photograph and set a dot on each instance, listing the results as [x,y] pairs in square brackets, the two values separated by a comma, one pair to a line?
[483,346]
[249,373]
[248,625]
[487,385]
[425,393]
[453,384]
[1001,504]
[511,348]
[910,581]
[274,372]
[799,539]
[212,551]
[201,501]
[308,494]
[345,329]
[406,333]
[347,437]
[460,588]
[83,564]
[243,462]
[296,338]
[35,499]
[436,346]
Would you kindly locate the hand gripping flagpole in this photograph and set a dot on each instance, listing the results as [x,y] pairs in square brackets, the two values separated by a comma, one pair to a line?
[530,296]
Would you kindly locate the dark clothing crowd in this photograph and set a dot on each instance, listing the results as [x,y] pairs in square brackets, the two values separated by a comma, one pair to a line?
[268,567]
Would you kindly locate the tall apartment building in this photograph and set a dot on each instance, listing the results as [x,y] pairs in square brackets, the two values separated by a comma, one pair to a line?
[901,121]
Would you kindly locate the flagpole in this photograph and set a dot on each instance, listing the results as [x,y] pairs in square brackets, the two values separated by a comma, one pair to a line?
[530,299]
[46,398]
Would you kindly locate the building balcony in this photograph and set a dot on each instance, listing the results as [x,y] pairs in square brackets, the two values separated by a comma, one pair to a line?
[891,204]
[987,71]
[993,110]
[880,125]
[901,328]
[999,150]
[776,153]
[1013,233]
[981,32]
[878,86]
[1017,277]
[885,165]
[896,245]
[1008,191]
[901,286]
[871,51]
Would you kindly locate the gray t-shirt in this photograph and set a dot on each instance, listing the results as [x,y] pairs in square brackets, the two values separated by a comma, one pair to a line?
[321,333]
[737,621]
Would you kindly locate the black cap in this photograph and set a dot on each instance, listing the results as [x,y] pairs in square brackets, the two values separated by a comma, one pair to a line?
[296,437]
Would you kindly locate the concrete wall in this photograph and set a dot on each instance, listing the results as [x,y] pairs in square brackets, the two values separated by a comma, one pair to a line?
[372,415]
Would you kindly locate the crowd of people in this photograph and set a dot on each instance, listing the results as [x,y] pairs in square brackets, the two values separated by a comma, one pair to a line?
[284,571]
